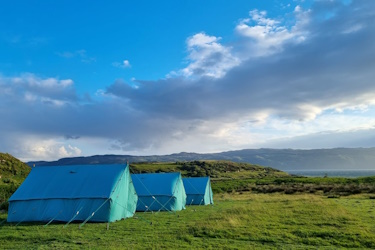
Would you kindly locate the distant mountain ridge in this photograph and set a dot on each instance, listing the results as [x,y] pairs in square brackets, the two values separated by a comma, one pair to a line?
[283,159]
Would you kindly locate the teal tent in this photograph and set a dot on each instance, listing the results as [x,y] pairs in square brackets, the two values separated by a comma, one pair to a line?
[198,191]
[100,193]
[159,192]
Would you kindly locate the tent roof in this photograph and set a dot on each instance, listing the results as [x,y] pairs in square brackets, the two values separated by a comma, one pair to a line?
[195,185]
[69,182]
[155,183]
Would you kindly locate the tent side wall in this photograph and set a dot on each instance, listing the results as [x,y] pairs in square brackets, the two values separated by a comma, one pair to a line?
[123,199]
[176,202]
[58,210]
[160,203]
[208,196]
[192,198]
[195,199]
[180,195]
[132,196]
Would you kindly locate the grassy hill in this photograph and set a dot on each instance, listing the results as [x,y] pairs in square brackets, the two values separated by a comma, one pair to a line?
[12,174]
[214,169]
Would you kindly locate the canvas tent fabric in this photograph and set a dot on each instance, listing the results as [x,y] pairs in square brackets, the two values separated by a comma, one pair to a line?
[159,192]
[198,191]
[61,193]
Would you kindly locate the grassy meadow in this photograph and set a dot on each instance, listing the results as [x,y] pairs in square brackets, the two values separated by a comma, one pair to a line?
[255,208]
[235,221]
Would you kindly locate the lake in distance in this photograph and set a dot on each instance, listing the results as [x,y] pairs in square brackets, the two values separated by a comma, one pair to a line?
[351,173]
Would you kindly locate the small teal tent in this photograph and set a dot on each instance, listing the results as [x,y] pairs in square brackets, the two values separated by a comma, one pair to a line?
[159,192]
[100,193]
[198,191]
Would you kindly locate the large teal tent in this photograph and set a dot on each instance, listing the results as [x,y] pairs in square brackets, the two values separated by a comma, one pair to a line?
[159,192]
[198,191]
[100,193]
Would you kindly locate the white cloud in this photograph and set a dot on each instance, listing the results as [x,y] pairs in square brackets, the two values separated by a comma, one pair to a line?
[35,89]
[23,41]
[31,147]
[124,64]
[207,57]
[81,54]
[352,28]
[69,151]
[260,36]
[265,36]
[65,54]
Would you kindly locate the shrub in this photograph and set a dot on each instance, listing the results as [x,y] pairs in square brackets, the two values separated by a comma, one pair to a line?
[290,191]
[4,205]
[6,180]
[333,196]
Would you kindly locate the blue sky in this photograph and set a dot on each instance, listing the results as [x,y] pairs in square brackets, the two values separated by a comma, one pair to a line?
[94,77]
[82,40]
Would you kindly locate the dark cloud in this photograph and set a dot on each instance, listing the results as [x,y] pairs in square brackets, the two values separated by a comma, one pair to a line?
[71,137]
[329,69]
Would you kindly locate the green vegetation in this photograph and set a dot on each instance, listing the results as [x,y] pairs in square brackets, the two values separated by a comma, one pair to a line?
[291,185]
[243,177]
[12,174]
[236,221]
[215,169]
[255,207]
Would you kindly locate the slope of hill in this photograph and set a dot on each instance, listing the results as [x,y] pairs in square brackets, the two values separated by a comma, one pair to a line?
[12,170]
[283,159]
[12,173]
[218,170]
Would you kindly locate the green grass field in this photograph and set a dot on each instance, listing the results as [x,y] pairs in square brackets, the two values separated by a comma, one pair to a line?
[236,221]
[255,208]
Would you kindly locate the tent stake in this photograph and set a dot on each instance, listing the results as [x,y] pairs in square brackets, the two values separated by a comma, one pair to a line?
[52,219]
[72,218]
[200,202]
[83,223]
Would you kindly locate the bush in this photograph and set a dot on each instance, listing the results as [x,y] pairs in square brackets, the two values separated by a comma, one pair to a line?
[290,191]
[335,196]
[6,180]
[4,205]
